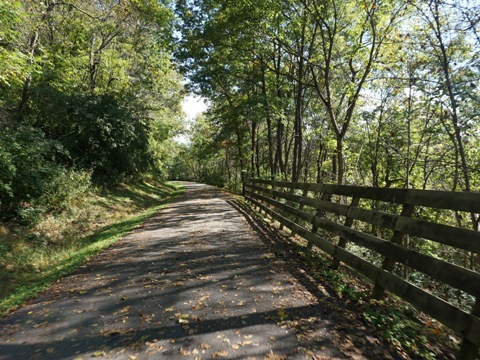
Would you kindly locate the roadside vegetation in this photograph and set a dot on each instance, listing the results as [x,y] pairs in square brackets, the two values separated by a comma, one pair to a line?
[89,94]
[33,256]
[90,100]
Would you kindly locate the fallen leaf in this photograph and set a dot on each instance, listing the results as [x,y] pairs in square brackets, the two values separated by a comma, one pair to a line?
[184,352]
[218,354]
[272,356]
[283,315]
[122,311]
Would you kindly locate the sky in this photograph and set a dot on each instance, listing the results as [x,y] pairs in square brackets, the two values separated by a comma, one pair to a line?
[192,105]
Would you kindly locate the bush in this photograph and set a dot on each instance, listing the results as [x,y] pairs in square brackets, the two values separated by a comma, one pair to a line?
[28,168]
[28,214]
[109,138]
[105,134]
[68,186]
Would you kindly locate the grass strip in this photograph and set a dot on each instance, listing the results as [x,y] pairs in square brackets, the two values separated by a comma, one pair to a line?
[65,258]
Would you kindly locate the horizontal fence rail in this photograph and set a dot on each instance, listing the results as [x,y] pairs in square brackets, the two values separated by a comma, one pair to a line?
[357,215]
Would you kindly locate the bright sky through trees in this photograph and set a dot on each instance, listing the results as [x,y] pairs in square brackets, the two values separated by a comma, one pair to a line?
[193,105]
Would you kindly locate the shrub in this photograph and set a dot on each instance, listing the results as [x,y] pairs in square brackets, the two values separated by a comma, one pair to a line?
[28,168]
[68,186]
[108,138]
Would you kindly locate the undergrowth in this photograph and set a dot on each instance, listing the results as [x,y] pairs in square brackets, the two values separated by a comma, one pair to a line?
[33,257]
[400,324]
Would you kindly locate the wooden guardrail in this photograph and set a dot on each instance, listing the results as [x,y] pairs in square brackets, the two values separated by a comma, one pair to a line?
[325,209]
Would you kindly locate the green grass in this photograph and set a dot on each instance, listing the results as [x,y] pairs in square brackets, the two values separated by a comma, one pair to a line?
[31,259]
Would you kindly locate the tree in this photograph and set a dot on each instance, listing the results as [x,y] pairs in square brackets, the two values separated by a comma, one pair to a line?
[348,47]
[95,81]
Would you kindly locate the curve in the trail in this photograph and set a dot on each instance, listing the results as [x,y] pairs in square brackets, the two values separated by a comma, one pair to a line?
[193,282]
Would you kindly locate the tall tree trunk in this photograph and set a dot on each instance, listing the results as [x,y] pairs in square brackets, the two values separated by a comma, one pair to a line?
[340,160]
[299,101]
[279,164]
[269,123]
[253,148]
[92,71]
[32,47]
[446,68]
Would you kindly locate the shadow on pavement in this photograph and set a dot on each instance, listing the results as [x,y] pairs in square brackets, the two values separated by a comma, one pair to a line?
[194,281]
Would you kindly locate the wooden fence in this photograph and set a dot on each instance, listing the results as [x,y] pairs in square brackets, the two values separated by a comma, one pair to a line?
[307,209]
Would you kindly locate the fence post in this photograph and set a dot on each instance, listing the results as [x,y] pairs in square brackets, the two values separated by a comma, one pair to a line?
[325,197]
[300,207]
[397,238]
[342,242]
[468,350]
[244,179]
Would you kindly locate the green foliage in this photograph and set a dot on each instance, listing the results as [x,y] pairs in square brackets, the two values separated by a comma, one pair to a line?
[401,327]
[12,61]
[87,91]
[109,138]
[67,187]
[33,182]
[28,161]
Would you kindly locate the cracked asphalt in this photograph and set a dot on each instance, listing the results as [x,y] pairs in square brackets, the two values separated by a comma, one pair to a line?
[196,281]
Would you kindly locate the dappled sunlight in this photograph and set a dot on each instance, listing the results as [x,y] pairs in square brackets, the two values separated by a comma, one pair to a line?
[193,281]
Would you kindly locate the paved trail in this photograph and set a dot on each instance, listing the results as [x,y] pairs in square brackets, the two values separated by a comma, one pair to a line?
[194,282]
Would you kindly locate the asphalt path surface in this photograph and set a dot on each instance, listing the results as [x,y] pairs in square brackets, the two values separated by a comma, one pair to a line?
[199,280]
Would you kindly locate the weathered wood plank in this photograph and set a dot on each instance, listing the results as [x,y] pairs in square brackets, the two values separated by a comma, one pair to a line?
[461,201]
